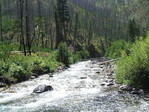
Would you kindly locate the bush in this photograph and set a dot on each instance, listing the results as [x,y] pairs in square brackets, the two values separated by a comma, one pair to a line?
[17,67]
[4,51]
[134,69]
[3,68]
[63,54]
[116,49]
[18,73]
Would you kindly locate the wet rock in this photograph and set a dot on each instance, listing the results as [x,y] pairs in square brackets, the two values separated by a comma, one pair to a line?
[141,91]
[103,84]
[2,84]
[125,88]
[50,74]
[110,84]
[110,80]
[146,99]
[98,72]
[137,91]
[32,77]
[134,91]
[43,88]
[109,74]
[83,77]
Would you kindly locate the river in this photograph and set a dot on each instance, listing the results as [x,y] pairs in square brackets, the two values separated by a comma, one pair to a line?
[77,89]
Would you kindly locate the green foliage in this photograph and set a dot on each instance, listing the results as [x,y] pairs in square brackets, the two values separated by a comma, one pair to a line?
[76,57]
[134,69]
[18,67]
[3,68]
[133,30]
[4,51]
[40,49]
[117,48]
[18,72]
[63,54]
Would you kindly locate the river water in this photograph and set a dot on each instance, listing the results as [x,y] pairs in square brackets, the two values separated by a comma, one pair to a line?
[77,89]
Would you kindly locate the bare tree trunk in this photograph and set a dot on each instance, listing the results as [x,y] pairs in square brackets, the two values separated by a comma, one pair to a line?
[28,27]
[21,21]
[1,24]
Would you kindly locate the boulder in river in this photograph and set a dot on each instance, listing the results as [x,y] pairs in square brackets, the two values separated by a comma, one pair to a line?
[43,88]
[2,84]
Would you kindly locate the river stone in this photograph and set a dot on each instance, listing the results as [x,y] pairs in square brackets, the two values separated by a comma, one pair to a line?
[110,84]
[33,77]
[50,74]
[2,84]
[43,88]
[124,87]
[137,91]
[83,77]
[103,84]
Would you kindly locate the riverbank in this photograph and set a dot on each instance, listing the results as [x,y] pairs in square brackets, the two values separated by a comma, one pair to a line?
[17,67]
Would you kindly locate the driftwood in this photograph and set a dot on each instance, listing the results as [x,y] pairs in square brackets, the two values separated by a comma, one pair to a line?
[107,62]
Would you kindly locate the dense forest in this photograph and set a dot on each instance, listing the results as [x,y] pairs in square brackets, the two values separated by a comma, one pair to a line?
[38,36]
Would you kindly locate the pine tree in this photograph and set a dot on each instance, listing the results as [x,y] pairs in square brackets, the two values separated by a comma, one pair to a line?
[76,26]
[62,18]
[133,30]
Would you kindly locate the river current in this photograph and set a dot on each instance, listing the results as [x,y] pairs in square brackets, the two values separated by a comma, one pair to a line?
[77,89]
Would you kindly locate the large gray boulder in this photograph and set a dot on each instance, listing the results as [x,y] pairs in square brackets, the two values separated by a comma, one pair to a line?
[43,88]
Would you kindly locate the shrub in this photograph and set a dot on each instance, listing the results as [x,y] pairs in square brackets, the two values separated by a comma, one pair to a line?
[63,54]
[134,69]
[17,67]
[3,68]
[18,73]
[84,54]
[75,57]
[116,49]
[4,51]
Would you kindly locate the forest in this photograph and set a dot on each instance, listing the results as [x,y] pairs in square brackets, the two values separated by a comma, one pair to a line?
[36,37]
[74,55]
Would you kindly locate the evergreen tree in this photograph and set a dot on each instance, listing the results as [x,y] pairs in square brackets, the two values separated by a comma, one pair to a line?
[76,26]
[62,18]
[133,30]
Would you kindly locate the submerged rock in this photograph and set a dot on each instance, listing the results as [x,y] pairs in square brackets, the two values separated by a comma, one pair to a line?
[110,84]
[103,84]
[83,77]
[43,88]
